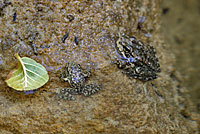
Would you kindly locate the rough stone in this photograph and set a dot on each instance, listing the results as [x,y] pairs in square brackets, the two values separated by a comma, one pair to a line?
[124,105]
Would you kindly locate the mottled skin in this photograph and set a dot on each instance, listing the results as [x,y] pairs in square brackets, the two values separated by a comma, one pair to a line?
[76,78]
[137,59]
[75,75]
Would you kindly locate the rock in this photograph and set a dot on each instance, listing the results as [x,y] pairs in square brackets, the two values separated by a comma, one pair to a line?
[123,105]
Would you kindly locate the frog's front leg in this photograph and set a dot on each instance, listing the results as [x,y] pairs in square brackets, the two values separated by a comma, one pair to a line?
[90,89]
[64,76]
[120,63]
[124,64]
[87,73]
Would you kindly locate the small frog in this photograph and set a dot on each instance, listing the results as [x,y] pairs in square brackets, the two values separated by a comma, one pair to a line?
[76,78]
[138,60]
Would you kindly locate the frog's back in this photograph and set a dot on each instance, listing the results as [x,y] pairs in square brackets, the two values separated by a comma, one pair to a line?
[77,79]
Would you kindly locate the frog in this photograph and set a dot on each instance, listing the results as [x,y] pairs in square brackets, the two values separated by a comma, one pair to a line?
[76,77]
[136,59]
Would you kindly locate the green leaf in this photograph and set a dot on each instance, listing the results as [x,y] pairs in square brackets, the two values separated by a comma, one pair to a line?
[28,75]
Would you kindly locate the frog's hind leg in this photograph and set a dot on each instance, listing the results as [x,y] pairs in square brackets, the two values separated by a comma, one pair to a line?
[91,89]
[66,94]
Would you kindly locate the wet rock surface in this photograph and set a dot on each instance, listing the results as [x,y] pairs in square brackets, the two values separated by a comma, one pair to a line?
[124,105]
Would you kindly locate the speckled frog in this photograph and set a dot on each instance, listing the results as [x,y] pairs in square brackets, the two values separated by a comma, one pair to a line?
[76,77]
[138,60]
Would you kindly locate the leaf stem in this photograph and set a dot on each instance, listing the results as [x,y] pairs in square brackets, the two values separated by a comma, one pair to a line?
[24,68]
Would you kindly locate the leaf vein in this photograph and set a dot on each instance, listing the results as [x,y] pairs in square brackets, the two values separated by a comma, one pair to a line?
[16,75]
[18,81]
[32,80]
[35,66]
[35,74]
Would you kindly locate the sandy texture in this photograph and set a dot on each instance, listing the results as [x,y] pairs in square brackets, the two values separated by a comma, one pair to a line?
[124,106]
[181,27]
